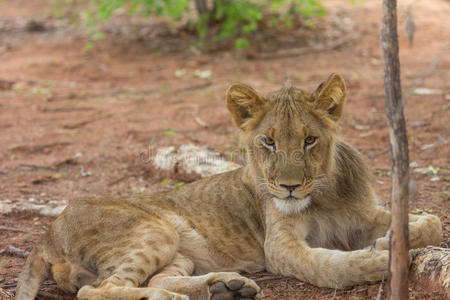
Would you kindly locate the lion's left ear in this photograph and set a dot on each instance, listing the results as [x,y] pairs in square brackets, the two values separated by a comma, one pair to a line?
[246,106]
[330,96]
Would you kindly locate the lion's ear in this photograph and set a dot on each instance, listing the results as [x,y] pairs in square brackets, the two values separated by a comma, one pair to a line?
[245,105]
[330,96]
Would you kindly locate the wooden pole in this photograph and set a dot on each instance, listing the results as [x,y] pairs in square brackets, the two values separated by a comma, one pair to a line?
[398,255]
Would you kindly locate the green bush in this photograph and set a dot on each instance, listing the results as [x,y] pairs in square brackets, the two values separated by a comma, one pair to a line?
[236,18]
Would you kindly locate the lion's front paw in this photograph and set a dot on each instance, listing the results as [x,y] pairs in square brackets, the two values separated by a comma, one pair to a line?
[382,243]
[373,265]
[234,288]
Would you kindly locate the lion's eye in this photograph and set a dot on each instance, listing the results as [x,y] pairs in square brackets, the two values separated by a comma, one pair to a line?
[310,140]
[269,142]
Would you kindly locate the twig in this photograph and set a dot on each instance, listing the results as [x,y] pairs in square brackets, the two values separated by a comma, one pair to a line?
[65,109]
[85,122]
[200,122]
[286,283]
[38,148]
[8,285]
[379,153]
[334,295]
[431,67]
[14,251]
[35,167]
[380,290]
[11,229]
[268,278]
[193,87]
[120,179]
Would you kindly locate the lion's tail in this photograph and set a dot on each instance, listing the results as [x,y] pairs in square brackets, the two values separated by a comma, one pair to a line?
[35,271]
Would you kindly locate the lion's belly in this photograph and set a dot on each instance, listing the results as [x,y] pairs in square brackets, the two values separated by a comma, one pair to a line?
[217,251]
[345,236]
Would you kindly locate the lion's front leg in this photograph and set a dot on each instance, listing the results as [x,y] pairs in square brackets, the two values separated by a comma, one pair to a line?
[324,267]
[424,230]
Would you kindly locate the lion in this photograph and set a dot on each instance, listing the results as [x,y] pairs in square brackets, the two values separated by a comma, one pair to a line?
[303,206]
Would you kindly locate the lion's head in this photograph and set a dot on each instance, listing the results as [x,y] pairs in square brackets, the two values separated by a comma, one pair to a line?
[289,137]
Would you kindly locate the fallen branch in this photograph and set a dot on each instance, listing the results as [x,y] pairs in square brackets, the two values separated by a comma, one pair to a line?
[268,278]
[304,50]
[14,251]
[38,148]
[11,229]
[8,285]
[379,153]
[430,268]
[380,291]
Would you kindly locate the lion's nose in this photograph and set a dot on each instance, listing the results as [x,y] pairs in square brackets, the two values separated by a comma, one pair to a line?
[290,188]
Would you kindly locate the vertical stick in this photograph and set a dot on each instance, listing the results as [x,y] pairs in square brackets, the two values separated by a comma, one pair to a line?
[398,255]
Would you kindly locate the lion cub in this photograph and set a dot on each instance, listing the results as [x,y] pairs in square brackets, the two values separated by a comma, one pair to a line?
[303,206]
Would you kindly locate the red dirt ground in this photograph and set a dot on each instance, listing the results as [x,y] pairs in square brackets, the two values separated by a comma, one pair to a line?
[85,118]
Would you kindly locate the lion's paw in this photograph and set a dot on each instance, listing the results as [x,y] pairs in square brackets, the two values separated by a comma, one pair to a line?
[235,289]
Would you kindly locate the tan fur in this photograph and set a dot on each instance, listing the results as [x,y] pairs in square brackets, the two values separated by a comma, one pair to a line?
[299,209]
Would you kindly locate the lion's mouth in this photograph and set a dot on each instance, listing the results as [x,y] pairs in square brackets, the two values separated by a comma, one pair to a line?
[293,198]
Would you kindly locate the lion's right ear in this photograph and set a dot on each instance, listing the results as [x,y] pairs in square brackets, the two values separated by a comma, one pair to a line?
[245,105]
[330,96]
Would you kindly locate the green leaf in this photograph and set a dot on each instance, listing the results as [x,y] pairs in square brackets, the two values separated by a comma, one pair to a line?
[235,18]
[98,36]
[169,132]
[89,46]
[178,184]
[241,43]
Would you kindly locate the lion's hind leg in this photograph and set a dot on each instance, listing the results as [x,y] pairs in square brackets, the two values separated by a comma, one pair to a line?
[124,264]
[177,277]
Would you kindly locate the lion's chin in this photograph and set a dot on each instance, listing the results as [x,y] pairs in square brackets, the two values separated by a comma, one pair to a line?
[292,205]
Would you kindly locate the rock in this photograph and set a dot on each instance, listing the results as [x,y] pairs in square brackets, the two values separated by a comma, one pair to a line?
[190,158]
[53,209]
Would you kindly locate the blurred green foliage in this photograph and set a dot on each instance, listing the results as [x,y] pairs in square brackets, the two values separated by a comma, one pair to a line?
[235,18]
